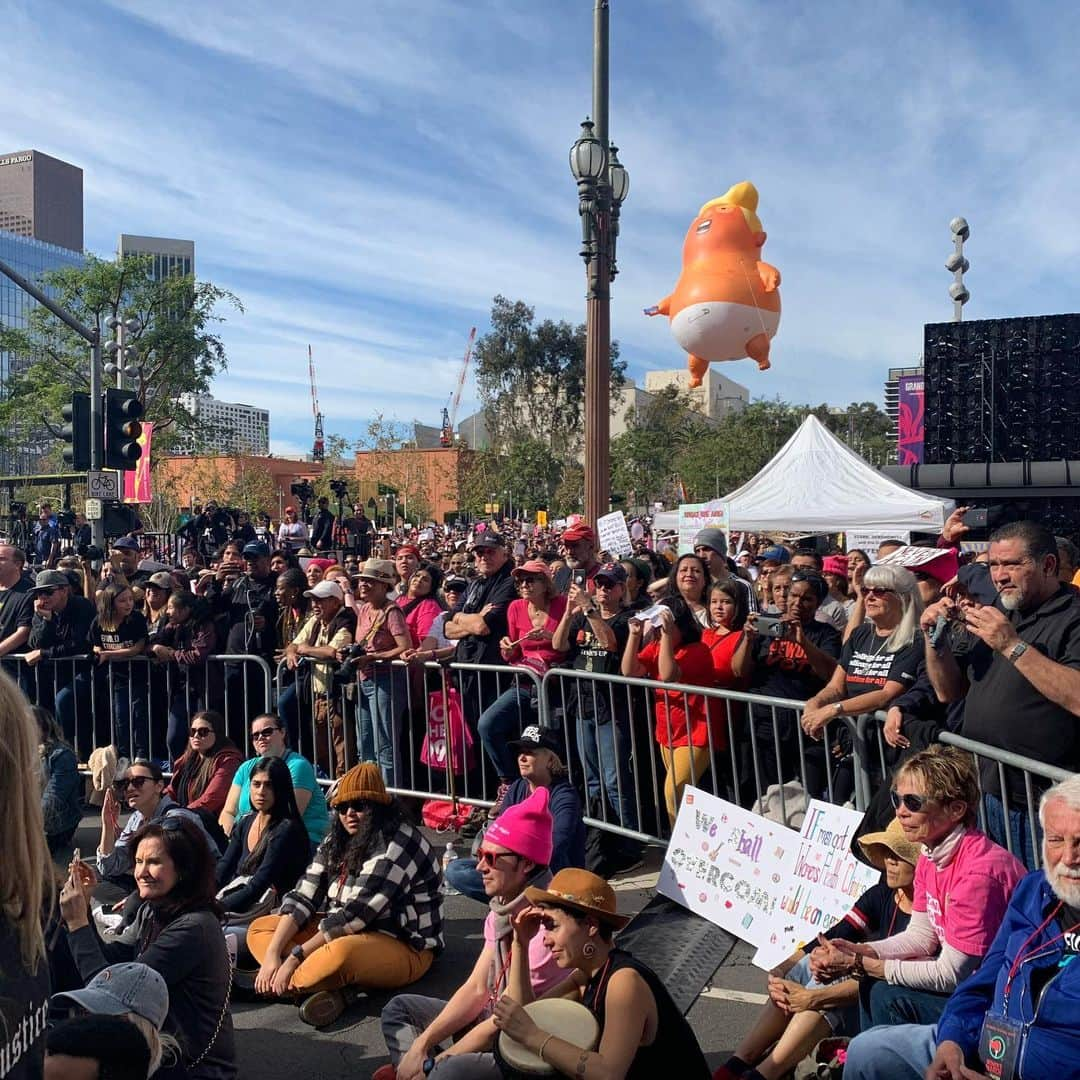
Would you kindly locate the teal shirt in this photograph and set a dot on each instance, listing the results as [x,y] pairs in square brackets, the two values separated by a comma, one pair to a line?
[316,816]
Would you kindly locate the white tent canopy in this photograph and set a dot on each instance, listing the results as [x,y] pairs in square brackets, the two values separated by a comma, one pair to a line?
[816,484]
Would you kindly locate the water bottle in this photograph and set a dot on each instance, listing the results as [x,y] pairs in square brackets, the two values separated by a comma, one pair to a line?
[449,855]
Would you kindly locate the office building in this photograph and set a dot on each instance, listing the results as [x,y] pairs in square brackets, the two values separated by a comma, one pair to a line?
[226,427]
[41,197]
[892,401]
[717,397]
[19,453]
[170,256]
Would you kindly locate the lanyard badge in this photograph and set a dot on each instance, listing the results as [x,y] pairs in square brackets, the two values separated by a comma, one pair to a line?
[999,1046]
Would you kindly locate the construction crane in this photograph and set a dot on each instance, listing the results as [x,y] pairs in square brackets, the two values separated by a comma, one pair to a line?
[449,415]
[318,447]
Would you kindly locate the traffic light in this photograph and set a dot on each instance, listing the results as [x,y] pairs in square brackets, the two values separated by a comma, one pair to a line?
[76,432]
[122,429]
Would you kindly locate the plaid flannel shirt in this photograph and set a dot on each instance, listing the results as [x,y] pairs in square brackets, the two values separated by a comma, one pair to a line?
[395,892]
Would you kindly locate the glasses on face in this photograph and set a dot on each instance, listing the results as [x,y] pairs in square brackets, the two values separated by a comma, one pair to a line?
[135,782]
[532,579]
[263,733]
[490,858]
[200,732]
[359,806]
[878,590]
[915,803]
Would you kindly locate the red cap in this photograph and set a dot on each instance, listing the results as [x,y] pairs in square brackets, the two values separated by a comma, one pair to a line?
[407,549]
[578,531]
[533,566]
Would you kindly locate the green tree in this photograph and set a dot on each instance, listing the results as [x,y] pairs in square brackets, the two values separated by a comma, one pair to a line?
[176,350]
[531,379]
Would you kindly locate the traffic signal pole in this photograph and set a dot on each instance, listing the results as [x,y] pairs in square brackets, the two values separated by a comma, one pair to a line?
[93,338]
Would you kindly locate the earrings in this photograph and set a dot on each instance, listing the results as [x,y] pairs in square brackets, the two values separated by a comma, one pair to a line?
[588,950]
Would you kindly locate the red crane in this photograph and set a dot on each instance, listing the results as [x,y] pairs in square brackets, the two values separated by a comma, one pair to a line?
[449,416]
[318,447]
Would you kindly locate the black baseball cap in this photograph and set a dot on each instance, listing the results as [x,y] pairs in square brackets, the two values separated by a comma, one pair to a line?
[534,737]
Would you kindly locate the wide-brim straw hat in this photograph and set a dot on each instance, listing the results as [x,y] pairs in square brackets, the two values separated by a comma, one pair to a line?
[892,838]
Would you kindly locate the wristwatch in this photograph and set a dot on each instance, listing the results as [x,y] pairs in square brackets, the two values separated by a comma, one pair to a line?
[297,953]
[1017,651]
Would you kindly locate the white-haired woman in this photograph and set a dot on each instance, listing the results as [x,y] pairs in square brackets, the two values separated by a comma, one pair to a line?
[881,657]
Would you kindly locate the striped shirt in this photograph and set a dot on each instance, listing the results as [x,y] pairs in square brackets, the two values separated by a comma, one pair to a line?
[395,892]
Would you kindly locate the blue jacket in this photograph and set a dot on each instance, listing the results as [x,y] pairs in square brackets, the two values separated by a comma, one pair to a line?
[567,820]
[1052,1036]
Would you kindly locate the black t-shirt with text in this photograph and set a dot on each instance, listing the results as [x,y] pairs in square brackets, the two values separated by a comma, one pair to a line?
[869,665]
[131,632]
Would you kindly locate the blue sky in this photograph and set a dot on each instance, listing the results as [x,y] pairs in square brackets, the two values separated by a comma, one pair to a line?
[367,175]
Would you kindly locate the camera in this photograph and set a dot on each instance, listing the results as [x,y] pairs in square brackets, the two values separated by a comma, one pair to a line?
[340,488]
[984,517]
[772,626]
[302,489]
[91,552]
[66,518]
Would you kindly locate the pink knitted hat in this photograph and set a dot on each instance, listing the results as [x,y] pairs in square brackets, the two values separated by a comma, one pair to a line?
[525,828]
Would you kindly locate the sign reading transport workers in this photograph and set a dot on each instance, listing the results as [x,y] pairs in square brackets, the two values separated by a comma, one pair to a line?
[728,865]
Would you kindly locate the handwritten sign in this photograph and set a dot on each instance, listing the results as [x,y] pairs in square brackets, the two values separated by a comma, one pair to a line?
[728,865]
[868,539]
[613,534]
[693,517]
[822,885]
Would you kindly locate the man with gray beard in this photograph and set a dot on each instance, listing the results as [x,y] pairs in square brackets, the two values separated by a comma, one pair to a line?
[1015,1016]
[1020,672]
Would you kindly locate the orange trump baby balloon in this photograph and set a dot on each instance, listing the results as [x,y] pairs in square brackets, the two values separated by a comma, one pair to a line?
[726,303]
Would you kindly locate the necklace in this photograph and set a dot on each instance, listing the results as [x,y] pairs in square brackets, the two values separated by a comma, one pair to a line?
[878,650]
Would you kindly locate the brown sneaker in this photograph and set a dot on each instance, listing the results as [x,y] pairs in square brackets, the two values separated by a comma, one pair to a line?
[322,1009]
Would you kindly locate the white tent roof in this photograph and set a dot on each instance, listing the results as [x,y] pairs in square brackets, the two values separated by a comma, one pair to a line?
[816,484]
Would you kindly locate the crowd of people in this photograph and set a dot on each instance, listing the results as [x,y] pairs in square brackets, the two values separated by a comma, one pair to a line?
[229,825]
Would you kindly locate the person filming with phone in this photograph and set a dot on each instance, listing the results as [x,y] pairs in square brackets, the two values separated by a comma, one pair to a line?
[794,656]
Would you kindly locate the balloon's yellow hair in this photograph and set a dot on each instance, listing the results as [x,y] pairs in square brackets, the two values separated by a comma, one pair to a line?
[743,195]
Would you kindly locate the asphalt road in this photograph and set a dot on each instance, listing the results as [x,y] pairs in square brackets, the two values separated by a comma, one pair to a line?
[273,1044]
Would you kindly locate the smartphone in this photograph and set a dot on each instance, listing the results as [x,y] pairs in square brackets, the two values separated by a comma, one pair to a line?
[771,626]
[579,578]
[983,517]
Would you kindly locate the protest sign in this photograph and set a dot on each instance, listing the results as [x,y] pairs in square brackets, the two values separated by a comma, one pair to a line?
[693,517]
[939,563]
[821,886]
[728,865]
[613,534]
[868,539]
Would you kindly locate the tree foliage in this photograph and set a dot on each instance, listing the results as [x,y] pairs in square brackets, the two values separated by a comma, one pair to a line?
[531,379]
[176,350]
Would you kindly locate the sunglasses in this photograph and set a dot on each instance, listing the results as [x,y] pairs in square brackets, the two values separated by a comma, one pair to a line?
[490,858]
[200,732]
[263,733]
[360,806]
[878,590]
[135,782]
[529,579]
[915,803]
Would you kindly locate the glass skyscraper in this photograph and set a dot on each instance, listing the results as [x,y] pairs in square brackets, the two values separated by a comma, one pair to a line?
[32,259]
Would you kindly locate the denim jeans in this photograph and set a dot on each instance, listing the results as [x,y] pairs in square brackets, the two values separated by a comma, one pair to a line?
[888,1003]
[501,721]
[131,726]
[461,874]
[73,709]
[605,754]
[382,700]
[1020,840]
[897,1052]
[403,1019]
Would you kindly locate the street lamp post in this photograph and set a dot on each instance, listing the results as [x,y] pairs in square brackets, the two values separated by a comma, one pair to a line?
[603,185]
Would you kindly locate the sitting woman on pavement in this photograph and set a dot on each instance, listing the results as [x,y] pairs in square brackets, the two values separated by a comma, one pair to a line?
[203,774]
[539,765]
[453,1040]
[366,913]
[812,995]
[269,847]
[141,789]
[269,739]
[963,882]
[643,1036]
[61,788]
[177,932]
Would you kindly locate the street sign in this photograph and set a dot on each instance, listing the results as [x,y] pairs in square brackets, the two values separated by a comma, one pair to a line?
[94,510]
[102,485]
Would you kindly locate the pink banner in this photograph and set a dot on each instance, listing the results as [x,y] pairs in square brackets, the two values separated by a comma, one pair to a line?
[137,481]
[910,421]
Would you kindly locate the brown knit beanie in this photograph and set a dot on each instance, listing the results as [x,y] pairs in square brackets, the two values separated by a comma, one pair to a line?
[363,781]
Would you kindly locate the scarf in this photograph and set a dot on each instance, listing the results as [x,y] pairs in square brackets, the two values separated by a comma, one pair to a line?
[943,853]
[504,913]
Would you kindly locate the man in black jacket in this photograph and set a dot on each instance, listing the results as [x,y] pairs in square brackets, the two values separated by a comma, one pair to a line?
[322,527]
[59,631]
